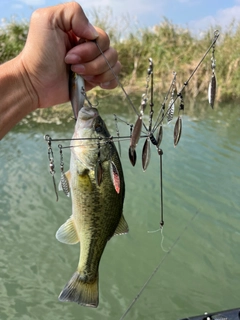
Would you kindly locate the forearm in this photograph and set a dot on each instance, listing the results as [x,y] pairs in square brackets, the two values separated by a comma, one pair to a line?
[17,96]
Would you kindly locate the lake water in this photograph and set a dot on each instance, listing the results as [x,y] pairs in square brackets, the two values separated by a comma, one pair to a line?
[201,181]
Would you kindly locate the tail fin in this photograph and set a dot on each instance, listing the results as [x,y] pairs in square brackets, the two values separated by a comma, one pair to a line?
[86,294]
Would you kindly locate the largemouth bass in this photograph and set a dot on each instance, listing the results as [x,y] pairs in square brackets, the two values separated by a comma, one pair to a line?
[97,190]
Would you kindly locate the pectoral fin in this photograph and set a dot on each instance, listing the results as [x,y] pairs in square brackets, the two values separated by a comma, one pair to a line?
[122,227]
[67,232]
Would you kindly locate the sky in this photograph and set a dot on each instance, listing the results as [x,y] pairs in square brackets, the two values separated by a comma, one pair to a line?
[196,15]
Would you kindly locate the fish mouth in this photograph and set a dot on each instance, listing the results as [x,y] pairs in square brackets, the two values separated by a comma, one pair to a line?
[87,113]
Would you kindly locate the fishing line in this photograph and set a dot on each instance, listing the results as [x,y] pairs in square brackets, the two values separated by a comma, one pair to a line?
[118,81]
[116,77]
[159,265]
[162,238]
[160,152]
[161,112]
[162,247]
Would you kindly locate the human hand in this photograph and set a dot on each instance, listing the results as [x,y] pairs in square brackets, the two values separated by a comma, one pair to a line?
[50,46]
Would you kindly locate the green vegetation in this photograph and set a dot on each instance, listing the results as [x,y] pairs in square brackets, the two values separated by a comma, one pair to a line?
[175,49]
[172,49]
[12,39]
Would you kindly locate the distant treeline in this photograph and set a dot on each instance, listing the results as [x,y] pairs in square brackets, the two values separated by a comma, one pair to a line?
[171,47]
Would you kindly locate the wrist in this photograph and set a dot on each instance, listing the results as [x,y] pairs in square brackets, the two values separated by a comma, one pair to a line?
[26,85]
[18,97]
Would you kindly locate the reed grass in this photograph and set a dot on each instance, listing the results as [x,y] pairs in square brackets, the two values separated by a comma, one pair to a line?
[171,47]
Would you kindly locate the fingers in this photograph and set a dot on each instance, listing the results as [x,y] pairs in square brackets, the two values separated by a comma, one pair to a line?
[87,60]
[107,85]
[87,50]
[103,74]
[52,34]
[106,80]
[98,65]
[98,72]
[70,16]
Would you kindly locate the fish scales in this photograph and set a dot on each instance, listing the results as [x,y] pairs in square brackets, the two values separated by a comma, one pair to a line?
[96,209]
[106,209]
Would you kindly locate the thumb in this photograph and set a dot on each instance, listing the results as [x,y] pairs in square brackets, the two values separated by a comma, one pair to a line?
[70,16]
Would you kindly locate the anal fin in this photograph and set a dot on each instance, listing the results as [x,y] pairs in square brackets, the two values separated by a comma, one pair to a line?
[122,227]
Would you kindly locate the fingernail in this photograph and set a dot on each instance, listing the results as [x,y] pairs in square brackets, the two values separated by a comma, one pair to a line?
[78,68]
[72,58]
[105,84]
[88,78]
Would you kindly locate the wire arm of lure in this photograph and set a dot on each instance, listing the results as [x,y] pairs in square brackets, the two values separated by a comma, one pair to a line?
[86,97]
[179,94]
[51,162]
[150,73]
[162,114]
[106,139]
[216,35]
[146,151]
[160,152]
[100,140]
[63,180]
[118,135]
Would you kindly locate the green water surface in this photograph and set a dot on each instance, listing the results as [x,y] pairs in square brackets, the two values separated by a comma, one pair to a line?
[201,179]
